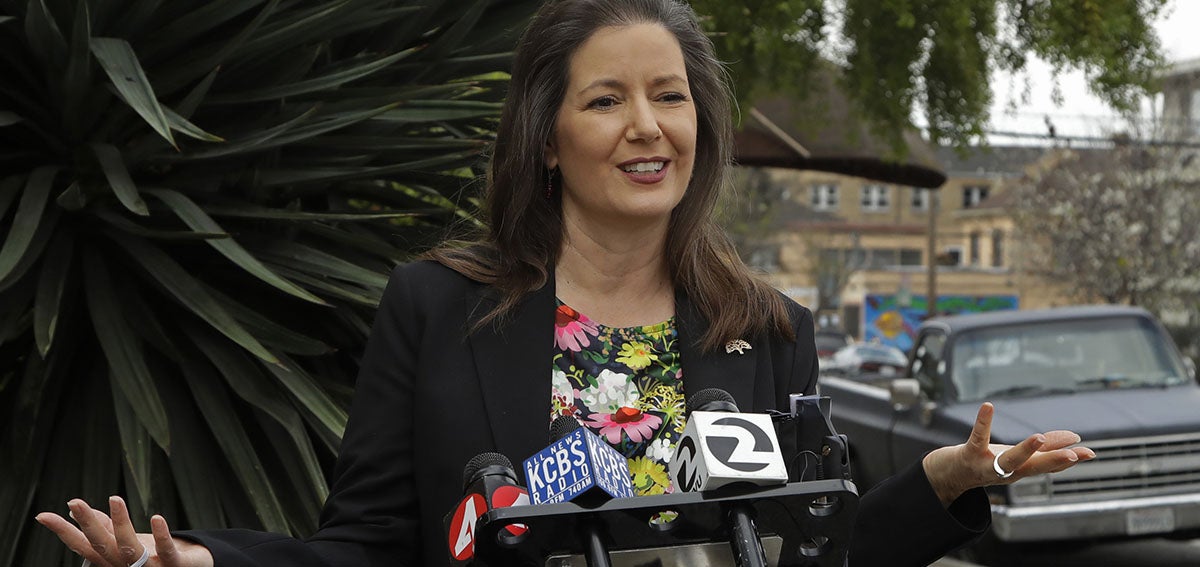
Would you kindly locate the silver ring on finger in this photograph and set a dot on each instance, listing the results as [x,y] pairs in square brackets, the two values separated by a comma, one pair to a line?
[1000,472]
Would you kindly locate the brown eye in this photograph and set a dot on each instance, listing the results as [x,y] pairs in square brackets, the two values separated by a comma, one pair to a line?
[603,102]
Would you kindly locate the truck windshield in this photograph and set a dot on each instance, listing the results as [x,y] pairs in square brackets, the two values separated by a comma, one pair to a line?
[1062,357]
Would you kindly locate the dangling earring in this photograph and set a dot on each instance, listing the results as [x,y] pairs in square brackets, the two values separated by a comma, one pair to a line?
[550,182]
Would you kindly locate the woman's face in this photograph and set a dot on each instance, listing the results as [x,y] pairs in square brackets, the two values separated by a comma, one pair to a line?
[625,136]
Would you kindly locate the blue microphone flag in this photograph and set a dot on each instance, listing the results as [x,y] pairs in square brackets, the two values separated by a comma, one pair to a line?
[575,464]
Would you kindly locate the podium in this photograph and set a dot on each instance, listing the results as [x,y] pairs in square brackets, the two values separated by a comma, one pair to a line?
[800,524]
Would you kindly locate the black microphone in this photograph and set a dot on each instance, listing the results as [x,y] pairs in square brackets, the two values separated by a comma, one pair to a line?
[578,466]
[489,482]
[718,449]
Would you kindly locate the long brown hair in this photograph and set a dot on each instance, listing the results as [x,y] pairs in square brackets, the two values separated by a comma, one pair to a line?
[524,234]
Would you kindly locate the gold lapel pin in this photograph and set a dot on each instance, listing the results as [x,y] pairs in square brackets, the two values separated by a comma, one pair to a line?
[737,344]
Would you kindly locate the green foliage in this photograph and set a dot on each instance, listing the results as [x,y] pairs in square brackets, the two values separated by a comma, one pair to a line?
[200,201]
[933,58]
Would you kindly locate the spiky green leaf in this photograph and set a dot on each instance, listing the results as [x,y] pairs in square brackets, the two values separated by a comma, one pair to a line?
[195,217]
[118,178]
[119,61]
[136,445]
[315,84]
[230,433]
[28,218]
[250,383]
[56,266]
[123,349]
[191,293]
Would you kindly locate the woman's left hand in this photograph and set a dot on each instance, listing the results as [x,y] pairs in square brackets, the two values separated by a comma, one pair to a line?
[957,469]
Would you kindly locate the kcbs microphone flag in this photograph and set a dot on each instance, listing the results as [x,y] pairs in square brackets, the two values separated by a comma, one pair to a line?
[574,464]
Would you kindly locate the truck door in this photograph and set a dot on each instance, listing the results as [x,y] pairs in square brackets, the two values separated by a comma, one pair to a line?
[921,428]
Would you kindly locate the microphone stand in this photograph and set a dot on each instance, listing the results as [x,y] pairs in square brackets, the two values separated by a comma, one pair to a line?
[743,537]
[595,551]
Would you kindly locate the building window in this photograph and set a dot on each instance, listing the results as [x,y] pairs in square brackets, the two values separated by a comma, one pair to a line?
[875,198]
[973,195]
[881,258]
[910,257]
[975,237]
[997,248]
[920,199]
[1194,114]
[825,196]
[765,258]
[951,256]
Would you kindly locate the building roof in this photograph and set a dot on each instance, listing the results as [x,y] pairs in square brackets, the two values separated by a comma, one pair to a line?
[990,161]
[1184,67]
[822,132]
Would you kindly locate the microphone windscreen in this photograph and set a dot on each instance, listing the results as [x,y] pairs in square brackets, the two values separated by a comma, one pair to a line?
[562,426]
[482,460]
[711,399]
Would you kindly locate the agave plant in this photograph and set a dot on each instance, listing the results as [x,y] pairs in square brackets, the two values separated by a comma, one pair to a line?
[200,201]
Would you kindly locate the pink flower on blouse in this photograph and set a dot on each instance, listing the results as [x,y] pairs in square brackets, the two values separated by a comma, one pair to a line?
[633,422]
[572,328]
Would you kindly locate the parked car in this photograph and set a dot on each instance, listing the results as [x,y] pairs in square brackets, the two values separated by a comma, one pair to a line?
[1110,373]
[830,340]
[866,361]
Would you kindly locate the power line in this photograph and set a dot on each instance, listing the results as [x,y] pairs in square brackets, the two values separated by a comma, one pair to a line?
[1095,140]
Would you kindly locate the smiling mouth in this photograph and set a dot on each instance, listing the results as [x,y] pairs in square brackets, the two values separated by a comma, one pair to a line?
[644,167]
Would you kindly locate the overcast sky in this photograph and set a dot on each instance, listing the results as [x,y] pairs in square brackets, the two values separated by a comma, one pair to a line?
[1081,113]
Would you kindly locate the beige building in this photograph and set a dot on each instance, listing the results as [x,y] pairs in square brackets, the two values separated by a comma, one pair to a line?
[841,240]
[1181,100]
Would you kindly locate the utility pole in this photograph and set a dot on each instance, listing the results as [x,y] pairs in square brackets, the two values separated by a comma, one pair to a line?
[931,253]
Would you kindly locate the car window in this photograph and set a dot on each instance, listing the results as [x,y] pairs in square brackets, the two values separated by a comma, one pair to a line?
[927,362]
[1063,357]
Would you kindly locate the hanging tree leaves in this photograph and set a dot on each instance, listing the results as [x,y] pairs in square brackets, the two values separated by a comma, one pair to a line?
[932,59]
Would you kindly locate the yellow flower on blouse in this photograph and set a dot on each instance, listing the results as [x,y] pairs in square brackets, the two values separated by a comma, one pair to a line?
[636,355]
[649,477]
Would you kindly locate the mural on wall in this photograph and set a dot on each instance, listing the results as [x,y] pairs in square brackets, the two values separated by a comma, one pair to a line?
[890,321]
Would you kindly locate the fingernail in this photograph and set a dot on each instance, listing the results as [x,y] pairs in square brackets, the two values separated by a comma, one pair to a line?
[1040,438]
[1091,454]
[1072,456]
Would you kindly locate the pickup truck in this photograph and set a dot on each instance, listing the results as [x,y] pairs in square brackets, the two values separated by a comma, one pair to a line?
[1110,373]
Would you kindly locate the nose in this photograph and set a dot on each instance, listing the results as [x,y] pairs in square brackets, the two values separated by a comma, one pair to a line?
[643,123]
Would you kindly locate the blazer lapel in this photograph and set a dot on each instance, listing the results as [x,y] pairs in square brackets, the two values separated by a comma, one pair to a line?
[513,365]
[732,372]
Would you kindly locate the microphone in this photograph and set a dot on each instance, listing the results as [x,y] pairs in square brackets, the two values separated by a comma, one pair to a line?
[579,466]
[721,446]
[718,448]
[489,482]
[577,462]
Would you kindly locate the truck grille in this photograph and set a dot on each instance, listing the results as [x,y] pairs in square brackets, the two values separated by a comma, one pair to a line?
[1129,468]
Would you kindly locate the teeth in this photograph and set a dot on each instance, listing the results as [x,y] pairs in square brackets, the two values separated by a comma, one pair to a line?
[644,166]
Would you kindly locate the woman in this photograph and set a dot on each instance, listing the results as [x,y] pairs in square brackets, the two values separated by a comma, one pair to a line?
[601,280]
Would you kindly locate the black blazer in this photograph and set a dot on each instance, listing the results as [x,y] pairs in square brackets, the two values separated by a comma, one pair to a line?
[431,395]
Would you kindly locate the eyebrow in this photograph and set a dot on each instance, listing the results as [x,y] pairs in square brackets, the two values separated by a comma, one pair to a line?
[615,84]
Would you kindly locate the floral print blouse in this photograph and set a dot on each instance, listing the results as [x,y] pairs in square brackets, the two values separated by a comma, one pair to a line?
[626,386]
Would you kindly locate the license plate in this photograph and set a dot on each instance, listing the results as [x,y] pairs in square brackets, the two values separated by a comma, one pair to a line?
[1149,521]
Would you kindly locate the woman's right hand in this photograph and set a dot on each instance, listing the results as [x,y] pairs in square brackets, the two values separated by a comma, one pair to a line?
[109,540]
